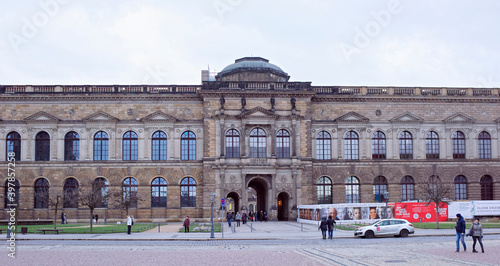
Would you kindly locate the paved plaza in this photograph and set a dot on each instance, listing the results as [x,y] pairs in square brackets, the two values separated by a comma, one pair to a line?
[271,243]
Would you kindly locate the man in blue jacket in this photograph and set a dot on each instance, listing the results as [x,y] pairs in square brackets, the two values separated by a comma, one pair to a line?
[460,228]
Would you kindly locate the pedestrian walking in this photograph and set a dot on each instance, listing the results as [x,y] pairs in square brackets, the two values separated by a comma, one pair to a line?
[323,226]
[229,217]
[476,231]
[238,218]
[331,223]
[63,218]
[460,229]
[244,217]
[130,222]
[96,218]
[186,224]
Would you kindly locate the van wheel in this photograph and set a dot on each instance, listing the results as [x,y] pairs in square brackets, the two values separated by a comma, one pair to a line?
[369,234]
[403,233]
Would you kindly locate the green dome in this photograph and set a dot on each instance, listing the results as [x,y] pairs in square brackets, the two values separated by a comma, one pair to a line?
[252,64]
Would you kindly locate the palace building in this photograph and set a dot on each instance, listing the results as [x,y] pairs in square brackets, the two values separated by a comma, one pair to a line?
[249,135]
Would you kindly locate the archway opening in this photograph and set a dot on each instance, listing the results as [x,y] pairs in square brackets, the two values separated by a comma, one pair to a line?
[283,206]
[260,188]
[233,202]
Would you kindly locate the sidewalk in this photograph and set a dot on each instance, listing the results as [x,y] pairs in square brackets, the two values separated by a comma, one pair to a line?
[249,231]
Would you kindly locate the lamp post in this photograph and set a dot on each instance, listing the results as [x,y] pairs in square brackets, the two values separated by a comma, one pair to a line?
[386,198]
[212,195]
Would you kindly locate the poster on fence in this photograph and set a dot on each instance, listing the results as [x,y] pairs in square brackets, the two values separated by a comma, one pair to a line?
[419,212]
[348,212]
[470,209]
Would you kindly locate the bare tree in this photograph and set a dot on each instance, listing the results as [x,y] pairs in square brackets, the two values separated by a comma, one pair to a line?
[126,199]
[436,192]
[93,194]
[55,199]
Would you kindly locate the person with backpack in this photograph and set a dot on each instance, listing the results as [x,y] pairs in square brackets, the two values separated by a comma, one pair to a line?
[323,226]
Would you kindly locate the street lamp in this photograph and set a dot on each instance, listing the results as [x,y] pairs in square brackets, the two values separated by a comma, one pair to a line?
[212,195]
[386,197]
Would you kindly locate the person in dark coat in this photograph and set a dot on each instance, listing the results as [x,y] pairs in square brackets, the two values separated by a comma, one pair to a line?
[96,218]
[63,217]
[229,217]
[186,224]
[460,228]
[331,223]
[323,226]
[476,231]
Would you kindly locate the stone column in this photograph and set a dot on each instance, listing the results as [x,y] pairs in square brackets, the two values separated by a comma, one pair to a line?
[294,138]
[222,135]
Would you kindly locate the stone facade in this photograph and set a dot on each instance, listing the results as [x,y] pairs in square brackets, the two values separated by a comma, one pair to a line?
[215,107]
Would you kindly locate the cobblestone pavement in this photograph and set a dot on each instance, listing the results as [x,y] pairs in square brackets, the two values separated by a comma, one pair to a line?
[349,251]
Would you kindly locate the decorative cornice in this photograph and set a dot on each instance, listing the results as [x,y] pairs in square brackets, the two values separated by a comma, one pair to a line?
[42,117]
[459,118]
[352,117]
[406,117]
[265,113]
[100,116]
[159,116]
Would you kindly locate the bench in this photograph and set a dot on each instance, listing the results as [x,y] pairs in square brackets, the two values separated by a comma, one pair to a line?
[50,230]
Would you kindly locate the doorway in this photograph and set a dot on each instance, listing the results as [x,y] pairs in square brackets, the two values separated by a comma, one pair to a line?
[283,206]
[233,200]
[260,187]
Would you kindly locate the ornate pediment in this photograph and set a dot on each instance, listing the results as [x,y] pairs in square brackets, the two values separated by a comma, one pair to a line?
[459,118]
[352,117]
[42,117]
[406,117]
[159,116]
[257,112]
[100,117]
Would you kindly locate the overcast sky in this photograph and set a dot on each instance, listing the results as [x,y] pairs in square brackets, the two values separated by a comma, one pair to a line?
[447,43]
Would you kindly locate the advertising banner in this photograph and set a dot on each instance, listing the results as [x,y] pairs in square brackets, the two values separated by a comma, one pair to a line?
[419,212]
[349,212]
[469,209]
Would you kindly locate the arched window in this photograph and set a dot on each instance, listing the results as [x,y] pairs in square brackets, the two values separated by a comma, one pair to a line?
[405,145]
[101,146]
[351,146]
[232,143]
[378,145]
[188,146]
[188,192]
[352,190]
[486,187]
[71,146]
[129,191]
[42,146]
[130,146]
[323,146]
[431,145]
[324,190]
[460,188]
[11,197]
[159,192]
[407,188]
[283,144]
[41,193]
[379,188]
[159,146]
[101,184]
[70,194]
[14,145]
[484,143]
[258,143]
[458,145]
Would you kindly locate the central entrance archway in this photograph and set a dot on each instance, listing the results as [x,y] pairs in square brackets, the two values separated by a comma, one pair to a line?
[260,185]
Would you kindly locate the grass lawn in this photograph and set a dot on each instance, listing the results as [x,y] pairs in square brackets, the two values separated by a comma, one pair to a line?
[451,225]
[85,229]
[192,226]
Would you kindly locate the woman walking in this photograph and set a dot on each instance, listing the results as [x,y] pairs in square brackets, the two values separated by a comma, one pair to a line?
[476,231]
